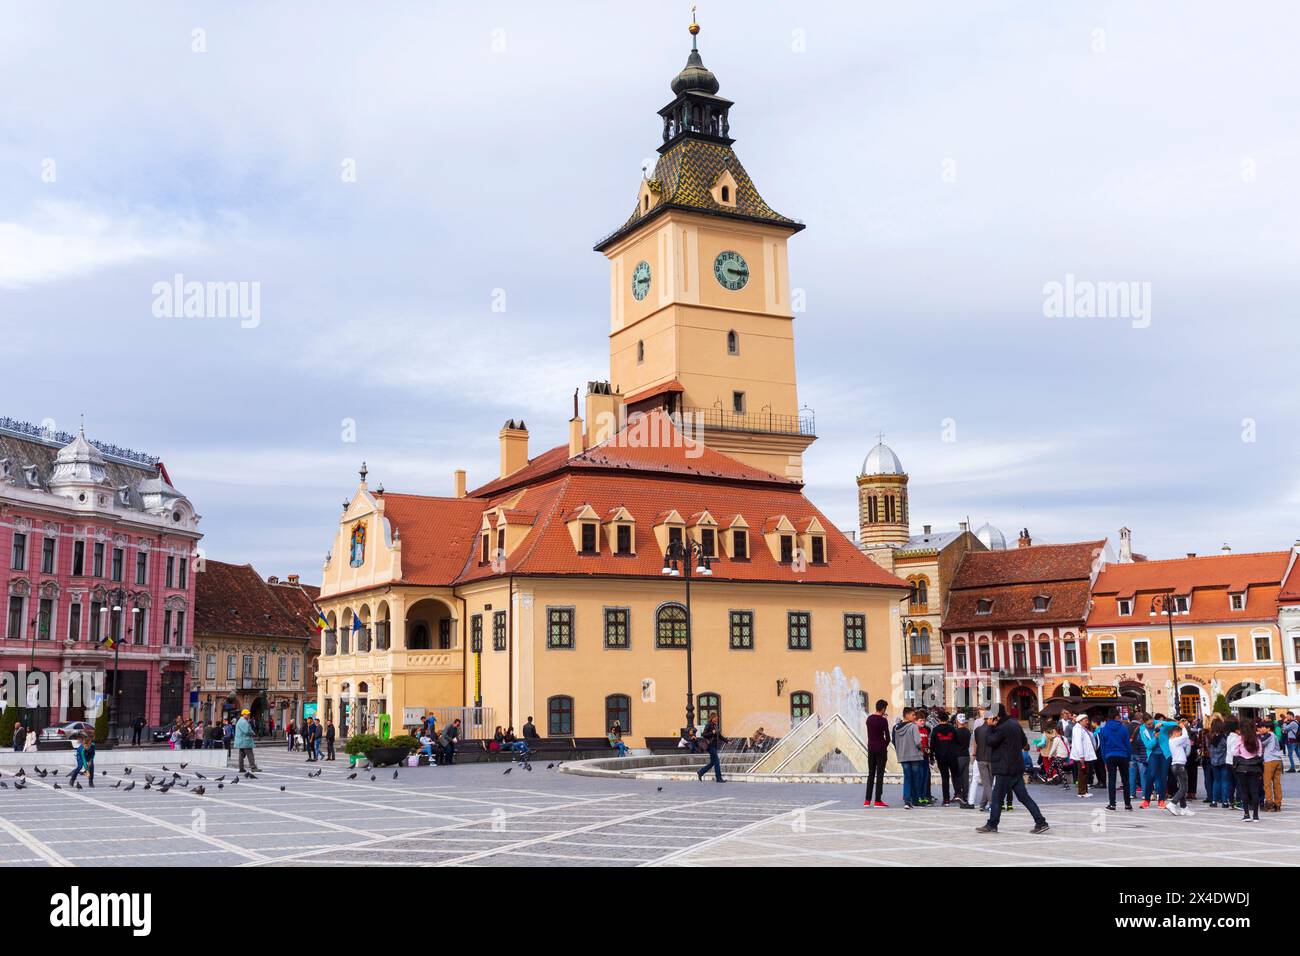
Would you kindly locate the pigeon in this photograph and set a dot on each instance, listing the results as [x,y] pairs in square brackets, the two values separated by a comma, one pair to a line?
[528,767]
[250,775]
[20,786]
[21,772]
[185,784]
[38,769]
[148,786]
[352,776]
[57,787]
[184,765]
[175,775]
[3,785]
[117,785]
[219,779]
[367,766]
[220,786]
[550,766]
[126,770]
[43,773]
[201,777]
[78,785]
[508,769]
[282,788]
[316,774]
[198,791]
[164,766]
[659,789]
[372,776]
[129,786]
[394,774]
[233,781]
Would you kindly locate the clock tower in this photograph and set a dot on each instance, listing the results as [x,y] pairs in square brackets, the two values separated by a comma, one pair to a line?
[700,315]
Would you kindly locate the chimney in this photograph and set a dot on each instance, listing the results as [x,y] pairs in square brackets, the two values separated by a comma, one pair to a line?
[293,579]
[1025,541]
[1125,546]
[458,477]
[963,526]
[604,412]
[926,527]
[514,446]
[1191,554]
[576,437]
[272,579]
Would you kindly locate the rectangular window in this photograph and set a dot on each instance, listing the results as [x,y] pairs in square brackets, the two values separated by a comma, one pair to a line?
[210,667]
[787,548]
[799,630]
[182,578]
[1071,655]
[985,662]
[1238,601]
[1185,655]
[675,536]
[484,547]
[297,669]
[983,606]
[171,570]
[248,667]
[476,634]
[588,537]
[78,557]
[141,567]
[1182,604]
[44,619]
[738,402]
[959,658]
[501,540]
[559,627]
[140,627]
[1019,658]
[818,549]
[167,627]
[47,555]
[178,635]
[444,634]
[740,544]
[1125,607]
[1227,648]
[230,667]
[624,536]
[872,510]
[115,624]
[742,630]
[18,558]
[855,631]
[1108,652]
[1263,647]
[74,622]
[261,668]
[499,630]
[117,564]
[1045,655]
[708,541]
[98,569]
[1141,652]
[96,619]
[616,627]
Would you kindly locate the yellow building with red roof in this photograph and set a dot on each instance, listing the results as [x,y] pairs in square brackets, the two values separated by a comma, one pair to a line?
[543,594]
[1224,637]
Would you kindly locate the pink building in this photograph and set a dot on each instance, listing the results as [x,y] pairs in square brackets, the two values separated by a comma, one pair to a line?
[97,563]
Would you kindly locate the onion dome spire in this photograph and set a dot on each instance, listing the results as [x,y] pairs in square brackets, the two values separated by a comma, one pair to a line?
[695,75]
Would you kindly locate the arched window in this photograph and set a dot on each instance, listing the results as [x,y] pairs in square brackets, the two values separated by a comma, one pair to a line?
[559,716]
[708,703]
[800,705]
[726,194]
[733,339]
[670,626]
[345,632]
[618,710]
[922,592]
[419,639]
[647,200]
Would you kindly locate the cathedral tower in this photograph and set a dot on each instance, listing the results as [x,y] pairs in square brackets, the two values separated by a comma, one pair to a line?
[882,505]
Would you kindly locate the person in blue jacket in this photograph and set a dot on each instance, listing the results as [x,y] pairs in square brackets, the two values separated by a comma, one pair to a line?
[1155,735]
[1114,747]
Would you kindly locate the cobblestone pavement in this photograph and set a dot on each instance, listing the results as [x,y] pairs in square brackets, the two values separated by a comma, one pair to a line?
[478,815]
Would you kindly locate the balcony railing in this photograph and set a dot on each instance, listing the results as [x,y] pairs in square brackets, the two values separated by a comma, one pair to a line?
[722,420]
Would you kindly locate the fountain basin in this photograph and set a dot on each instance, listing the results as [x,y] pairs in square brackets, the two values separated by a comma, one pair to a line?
[687,766]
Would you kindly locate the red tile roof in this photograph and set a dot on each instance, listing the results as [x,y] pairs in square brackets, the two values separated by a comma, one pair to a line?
[235,599]
[1208,579]
[1011,579]
[436,534]
[1291,586]
[672,385]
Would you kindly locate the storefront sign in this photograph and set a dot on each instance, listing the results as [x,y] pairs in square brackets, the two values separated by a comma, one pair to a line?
[309,709]
[1100,690]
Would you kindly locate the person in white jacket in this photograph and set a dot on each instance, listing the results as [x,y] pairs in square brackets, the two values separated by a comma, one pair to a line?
[1083,751]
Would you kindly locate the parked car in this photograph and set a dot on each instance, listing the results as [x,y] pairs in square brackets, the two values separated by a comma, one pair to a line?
[67,731]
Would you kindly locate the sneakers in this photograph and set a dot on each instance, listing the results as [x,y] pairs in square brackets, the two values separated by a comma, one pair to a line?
[1161,804]
[986,829]
[1110,806]
[1040,827]
[880,803]
[1084,796]
[1145,804]
[971,806]
[1173,808]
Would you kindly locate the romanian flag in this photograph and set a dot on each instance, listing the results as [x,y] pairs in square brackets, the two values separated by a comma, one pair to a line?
[107,642]
[321,623]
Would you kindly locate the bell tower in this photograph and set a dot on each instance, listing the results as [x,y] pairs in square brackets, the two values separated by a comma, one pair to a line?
[883,517]
[701,322]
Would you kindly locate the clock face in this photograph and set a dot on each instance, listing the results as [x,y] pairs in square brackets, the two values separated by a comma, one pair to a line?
[731,270]
[641,280]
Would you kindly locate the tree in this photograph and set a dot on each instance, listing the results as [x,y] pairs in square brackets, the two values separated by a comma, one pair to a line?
[1221,706]
[8,720]
[101,725]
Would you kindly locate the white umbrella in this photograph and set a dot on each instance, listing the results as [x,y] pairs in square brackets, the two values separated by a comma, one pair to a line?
[1264,700]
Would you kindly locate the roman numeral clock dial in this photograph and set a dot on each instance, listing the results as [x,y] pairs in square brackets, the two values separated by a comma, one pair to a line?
[641,280]
[731,270]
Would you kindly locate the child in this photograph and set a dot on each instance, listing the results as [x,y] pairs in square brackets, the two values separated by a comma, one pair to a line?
[1179,748]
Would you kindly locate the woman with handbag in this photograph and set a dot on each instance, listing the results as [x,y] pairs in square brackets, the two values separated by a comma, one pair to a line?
[1248,764]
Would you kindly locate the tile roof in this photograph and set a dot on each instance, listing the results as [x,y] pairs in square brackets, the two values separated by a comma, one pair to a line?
[649,443]
[234,599]
[672,385]
[299,601]
[1012,579]
[1041,562]
[1291,586]
[1208,579]
[684,177]
[436,534]
[920,543]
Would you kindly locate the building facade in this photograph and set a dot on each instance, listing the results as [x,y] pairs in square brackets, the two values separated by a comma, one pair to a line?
[1014,625]
[1225,629]
[558,590]
[1288,620]
[251,644]
[98,575]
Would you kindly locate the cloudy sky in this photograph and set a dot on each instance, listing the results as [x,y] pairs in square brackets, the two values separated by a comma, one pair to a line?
[381,169]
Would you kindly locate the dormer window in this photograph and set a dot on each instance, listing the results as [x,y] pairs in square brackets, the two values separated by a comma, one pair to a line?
[726,194]
[984,606]
[787,548]
[1237,601]
[818,549]
[485,548]
[1125,606]
[1042,602]
[708,542]
[1182,604]
[623,539]
[588,537]
[675,537]
[740,544]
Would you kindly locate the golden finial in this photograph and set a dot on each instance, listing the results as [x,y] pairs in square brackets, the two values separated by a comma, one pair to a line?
[695,27]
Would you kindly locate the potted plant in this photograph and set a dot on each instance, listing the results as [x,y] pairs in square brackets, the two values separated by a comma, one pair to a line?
[391,751]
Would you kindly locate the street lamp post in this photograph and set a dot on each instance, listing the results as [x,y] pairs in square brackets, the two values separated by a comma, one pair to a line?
[119,596]
[1165,603]
[679,559]
[907,624]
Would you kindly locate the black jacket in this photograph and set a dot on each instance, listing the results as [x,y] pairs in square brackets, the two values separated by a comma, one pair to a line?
[945,743]
[1007,744]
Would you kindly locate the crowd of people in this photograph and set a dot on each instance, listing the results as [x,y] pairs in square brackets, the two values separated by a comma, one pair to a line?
[1146,759]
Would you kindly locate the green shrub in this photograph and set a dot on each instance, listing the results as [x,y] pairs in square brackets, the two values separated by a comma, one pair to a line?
[101,725]
[1221,706]
[361,743]
[8,721]
[405,741]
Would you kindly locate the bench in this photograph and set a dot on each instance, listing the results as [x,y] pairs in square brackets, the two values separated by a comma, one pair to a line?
[664,744]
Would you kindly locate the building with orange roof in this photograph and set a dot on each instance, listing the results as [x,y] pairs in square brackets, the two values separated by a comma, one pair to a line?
[542,594]
[1288,620]
[1225,631]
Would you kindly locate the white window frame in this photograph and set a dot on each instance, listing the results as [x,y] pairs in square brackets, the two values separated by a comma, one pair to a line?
[1178,643]
[1101,653]
[1255,635]
[1146,642]
[1233,598]
[1236,650]
[1124,607]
